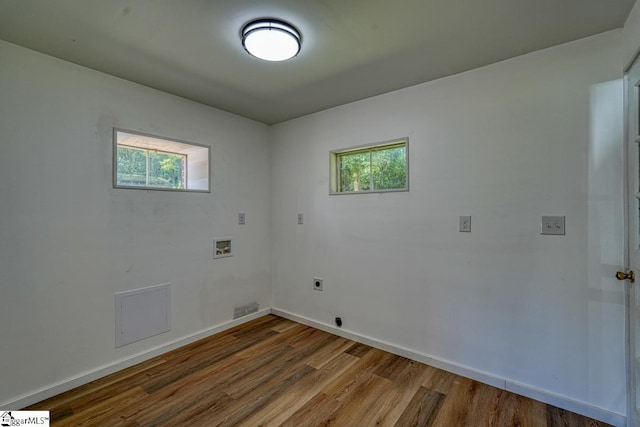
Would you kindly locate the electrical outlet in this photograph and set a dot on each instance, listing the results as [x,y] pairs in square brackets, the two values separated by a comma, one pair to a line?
[465,224]
[300,218]
[553,225]
[317,284]
[241,218]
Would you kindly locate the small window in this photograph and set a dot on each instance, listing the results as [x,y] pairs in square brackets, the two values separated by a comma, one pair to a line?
[371,169]
[152,162]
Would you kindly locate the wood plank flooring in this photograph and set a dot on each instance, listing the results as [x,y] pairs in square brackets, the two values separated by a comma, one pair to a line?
[275,372]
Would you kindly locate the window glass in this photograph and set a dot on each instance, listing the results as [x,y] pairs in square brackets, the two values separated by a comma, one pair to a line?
[375,168]
[389,168]
[355,171]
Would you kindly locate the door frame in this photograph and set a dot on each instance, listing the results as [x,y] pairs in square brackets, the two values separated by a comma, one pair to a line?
[627,240]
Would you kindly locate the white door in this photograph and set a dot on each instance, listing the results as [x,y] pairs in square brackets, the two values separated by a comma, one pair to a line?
[632,86]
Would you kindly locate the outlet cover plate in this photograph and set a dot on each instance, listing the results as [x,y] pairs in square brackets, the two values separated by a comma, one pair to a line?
[465,224]
[241,218]
[317,284]
[552,225]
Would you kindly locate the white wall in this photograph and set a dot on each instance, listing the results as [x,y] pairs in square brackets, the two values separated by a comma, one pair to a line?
[69,241]
[536,135]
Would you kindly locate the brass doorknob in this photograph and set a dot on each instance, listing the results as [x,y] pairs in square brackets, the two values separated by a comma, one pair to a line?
[630,276]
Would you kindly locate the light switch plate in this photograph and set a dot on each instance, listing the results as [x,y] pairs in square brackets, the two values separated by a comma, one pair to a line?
[300,218]
[241,218]
[552,225]
[465,224]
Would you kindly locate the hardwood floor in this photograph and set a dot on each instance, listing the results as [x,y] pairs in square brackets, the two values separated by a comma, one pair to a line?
[275,372]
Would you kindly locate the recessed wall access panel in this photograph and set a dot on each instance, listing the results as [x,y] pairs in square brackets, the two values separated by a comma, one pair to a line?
[142,313]
[222,248]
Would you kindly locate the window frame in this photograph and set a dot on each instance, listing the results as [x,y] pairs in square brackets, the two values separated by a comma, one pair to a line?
[163,150]
[334,171]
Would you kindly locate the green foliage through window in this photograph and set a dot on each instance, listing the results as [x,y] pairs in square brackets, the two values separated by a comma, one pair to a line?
[141,167]
[371,169]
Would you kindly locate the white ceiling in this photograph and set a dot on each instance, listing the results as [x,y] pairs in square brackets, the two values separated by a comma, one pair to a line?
[352,49]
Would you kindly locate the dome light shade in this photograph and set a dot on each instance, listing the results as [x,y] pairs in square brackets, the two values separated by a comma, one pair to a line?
[271,40]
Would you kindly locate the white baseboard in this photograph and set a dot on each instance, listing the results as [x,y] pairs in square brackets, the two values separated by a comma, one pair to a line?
[465,371]
[94,374]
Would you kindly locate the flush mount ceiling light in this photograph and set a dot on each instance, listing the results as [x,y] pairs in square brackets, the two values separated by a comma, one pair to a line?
[271,39]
